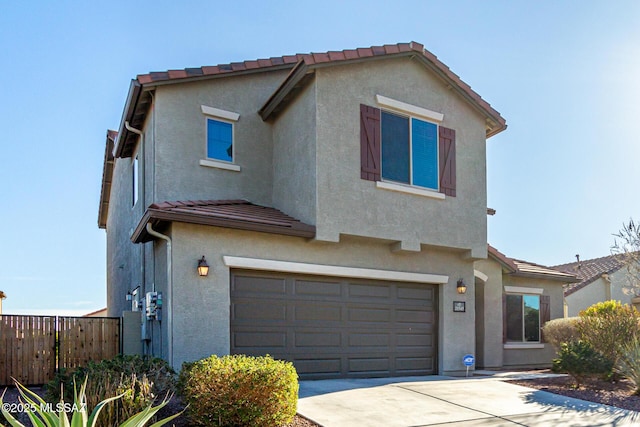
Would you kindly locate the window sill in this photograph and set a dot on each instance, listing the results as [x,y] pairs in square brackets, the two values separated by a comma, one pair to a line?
[410,190]
[219,165]
[522,346]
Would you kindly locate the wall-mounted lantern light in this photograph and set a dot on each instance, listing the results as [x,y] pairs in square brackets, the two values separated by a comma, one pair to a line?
[461,287]
[203,267]
[129,296]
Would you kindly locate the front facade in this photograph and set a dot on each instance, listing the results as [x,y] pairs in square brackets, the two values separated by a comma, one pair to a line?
[514,299]
[337,199]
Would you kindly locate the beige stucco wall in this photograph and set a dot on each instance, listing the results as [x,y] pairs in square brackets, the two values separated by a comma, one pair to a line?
[201,305]
[349,205]
[294,157]
[495,353]
[180,140]
[489,315]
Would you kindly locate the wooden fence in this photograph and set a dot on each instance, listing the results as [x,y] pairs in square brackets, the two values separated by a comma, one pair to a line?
[33,348]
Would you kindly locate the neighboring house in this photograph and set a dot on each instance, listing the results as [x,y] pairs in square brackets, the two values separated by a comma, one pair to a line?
[98,313]
[338,199]
[514,299]
[601,279]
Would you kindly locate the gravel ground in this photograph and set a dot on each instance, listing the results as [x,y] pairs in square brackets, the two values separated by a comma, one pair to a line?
[11,398]
[618,394]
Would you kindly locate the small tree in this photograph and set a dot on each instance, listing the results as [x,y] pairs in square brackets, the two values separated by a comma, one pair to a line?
[627,247]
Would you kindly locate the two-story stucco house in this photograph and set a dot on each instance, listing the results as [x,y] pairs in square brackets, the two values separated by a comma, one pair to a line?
[338,199]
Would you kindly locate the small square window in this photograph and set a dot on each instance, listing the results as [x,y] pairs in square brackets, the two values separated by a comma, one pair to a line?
[219,140]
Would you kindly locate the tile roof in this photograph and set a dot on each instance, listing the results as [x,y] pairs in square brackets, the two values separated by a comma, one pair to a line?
[238,214]
[522,268]
[588,271]
[138,102]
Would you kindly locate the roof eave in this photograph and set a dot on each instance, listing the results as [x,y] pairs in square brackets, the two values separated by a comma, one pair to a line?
[557,278]
[107,178]
[135,88]
[157,216]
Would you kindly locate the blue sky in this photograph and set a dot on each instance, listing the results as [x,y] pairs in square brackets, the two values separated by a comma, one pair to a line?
[563,177]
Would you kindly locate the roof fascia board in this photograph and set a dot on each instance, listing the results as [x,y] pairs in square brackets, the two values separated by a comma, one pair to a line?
[204,77]
[107,179]
[135,88]
[159,215]
[497,128]
[299,71]
[558,278]
[510,268]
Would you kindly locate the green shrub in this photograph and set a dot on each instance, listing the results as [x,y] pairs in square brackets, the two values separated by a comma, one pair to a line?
[607,326]
[561,331]
[43,415]
[629,363]
[140,380]
[580,360]
[240,390]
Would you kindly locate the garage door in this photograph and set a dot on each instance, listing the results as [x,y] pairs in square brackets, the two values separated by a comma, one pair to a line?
[333,328]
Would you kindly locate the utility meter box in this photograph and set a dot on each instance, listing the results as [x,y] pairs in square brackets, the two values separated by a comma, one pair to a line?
[151,305]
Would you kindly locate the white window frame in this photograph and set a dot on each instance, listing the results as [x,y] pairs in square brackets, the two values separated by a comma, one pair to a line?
[224,116]
[411,112]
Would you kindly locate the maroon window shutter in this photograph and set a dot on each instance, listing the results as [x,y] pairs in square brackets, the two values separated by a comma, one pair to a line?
[447,147]
[545,313]
[504,318]
[370,168]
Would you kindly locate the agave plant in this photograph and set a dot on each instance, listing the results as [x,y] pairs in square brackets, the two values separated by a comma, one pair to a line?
[43,414]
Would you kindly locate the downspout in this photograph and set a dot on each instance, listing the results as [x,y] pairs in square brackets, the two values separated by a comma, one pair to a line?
[169,297]
[142,185]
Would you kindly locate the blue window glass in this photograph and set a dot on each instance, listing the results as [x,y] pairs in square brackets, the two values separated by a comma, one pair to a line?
[424,151]
[395,147]
[219,140]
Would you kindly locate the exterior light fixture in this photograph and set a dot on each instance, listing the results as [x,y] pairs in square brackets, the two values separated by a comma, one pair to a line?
[129,296]
[203,267]
[461,287]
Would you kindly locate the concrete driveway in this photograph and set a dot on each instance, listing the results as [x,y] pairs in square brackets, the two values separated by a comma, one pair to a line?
[446,401]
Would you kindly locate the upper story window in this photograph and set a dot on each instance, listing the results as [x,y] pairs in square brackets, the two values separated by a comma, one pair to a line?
[409,150]
[219,140]
[220,152]
[405,144]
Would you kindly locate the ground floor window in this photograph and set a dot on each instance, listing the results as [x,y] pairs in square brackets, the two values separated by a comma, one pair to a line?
[523,318]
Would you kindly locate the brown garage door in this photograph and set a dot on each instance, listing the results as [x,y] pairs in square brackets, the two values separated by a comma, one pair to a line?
[331,328]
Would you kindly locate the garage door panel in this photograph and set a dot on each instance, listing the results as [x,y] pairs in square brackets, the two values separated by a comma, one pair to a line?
[369,364]
[369,291]
[318,312]
[413,316]
[415,294]
[317,339]
[276,340]
[423,340]
[259,310]
[259,284]
[363,314]
[313,288]
[413,364]
[321,367]
[335,328]
[357,340]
